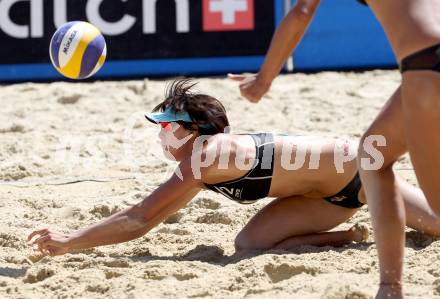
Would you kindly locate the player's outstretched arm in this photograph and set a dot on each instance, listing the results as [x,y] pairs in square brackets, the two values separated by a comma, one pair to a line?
[123,226]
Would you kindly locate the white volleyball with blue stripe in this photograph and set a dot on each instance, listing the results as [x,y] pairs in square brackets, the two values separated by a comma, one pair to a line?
[77,50]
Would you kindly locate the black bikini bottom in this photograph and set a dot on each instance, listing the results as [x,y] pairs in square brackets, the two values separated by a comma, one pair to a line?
[426,59]
[348,197]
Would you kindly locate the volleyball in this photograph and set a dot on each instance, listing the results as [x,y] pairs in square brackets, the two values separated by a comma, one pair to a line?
[77,50]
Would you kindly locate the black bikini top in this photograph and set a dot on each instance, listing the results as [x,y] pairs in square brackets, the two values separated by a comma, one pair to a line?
[256,183]
[362,2]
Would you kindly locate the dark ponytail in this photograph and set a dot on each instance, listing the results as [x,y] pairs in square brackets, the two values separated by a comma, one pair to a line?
[205,111]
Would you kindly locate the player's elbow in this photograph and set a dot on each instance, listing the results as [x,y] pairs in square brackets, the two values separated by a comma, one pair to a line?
[305,9]
[134,221]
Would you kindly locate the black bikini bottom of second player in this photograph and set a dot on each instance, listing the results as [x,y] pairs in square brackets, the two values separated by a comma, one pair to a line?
[348,197]
[426,59]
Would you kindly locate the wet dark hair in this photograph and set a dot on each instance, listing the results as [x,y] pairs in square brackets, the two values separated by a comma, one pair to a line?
[203,109]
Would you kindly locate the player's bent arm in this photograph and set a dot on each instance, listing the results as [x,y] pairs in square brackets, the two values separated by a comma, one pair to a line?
[129,224]
[287,37]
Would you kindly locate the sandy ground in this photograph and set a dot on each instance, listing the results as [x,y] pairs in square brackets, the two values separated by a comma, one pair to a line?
[71,154]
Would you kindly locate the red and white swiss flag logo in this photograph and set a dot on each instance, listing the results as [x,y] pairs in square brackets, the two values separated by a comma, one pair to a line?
[228,15]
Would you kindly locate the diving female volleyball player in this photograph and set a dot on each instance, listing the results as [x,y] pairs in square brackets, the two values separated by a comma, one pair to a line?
[311,199]
[410,121]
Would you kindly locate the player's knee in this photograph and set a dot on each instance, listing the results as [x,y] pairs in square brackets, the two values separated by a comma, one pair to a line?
[246,241]
[242,242]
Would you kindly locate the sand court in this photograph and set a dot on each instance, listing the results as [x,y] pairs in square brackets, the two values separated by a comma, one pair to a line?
[72,154]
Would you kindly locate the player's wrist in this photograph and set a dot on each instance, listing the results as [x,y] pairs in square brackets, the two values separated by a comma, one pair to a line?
[72,242]
[264,79]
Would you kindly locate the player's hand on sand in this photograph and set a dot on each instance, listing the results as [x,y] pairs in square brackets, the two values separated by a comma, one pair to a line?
[252,87]
[49,242]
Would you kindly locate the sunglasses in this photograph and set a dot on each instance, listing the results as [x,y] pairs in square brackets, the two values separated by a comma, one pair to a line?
[166,125]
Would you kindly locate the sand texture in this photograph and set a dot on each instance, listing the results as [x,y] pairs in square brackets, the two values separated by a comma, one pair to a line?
[71,154]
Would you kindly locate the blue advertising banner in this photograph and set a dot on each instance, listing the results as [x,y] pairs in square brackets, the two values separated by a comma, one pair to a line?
[343,35]
[144,38]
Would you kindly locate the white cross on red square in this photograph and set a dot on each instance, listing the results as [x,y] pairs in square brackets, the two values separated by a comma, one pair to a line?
[228,15]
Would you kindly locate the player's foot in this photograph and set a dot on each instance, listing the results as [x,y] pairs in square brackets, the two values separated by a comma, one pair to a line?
[360,232]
